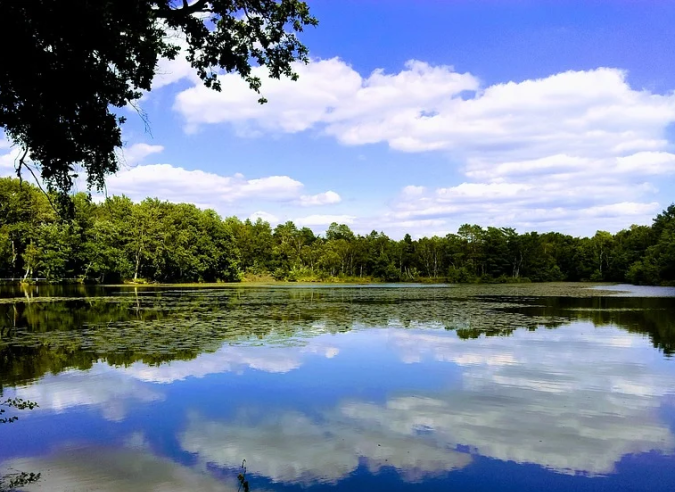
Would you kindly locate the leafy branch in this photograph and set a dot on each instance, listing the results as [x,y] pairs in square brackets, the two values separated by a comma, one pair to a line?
[13,481]
[17,403]
[243,483]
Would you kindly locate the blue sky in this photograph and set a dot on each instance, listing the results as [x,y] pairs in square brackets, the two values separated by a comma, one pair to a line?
[419,116]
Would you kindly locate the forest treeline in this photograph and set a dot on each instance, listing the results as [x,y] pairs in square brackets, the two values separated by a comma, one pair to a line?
[157,241]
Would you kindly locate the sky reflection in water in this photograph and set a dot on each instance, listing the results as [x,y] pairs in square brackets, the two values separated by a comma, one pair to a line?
[390,408]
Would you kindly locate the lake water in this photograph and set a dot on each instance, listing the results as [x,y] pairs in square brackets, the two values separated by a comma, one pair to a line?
[341,388]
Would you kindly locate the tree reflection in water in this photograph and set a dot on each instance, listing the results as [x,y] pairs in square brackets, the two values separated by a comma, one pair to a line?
[42,334]
[49,334]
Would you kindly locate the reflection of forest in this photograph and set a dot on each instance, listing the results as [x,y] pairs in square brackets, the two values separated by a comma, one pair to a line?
[50,334]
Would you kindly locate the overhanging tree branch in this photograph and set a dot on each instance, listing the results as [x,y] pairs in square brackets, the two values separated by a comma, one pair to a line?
[112,59]
[187,9]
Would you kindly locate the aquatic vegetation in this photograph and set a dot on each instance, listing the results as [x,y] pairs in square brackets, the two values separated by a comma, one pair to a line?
[75,329]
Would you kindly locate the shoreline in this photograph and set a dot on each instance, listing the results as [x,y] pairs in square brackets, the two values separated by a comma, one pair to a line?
[274,283]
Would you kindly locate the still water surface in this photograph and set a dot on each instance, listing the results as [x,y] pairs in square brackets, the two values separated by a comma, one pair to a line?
[401,388]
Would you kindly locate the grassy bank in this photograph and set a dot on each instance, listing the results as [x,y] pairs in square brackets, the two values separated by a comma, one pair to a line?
[251,279]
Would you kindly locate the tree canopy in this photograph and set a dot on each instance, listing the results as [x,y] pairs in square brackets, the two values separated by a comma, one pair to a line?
[67,66]
[158,241]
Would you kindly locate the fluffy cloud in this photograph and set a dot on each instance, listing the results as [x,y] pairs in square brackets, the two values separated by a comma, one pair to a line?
[115,470]
[232,359]
[138,152]
[329,197]
[570,400]
[128,157]
[547,192]
[265,216]
[531,426]
[542,204]
[8,156]
[424,107]
[555,152]
[290,447]
[574,151]
[171,71]
[206,189]
[570,205]
[7,163]
[179,69]
[176,184]
[292,107]
[179,184]
[323,220]
[112,390]
[574,388]
[100,387]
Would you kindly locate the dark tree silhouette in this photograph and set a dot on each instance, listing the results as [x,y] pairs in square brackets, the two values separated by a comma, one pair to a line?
[66,66]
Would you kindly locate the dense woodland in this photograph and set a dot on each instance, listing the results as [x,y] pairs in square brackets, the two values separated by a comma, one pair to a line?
[156,241]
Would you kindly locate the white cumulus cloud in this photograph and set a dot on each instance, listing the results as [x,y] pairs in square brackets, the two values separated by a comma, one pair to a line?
[574,151]
[233,359]
[102,388]
[7,163]
[320,220]
[207,189]
[543,153]
[328,92]
[4,142]
[327,198]
[290,447]
[108,469]
[179,184]
[265,216]
[137,152]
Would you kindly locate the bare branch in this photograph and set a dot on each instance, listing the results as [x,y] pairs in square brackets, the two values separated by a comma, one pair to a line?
[199,6]
[23,163]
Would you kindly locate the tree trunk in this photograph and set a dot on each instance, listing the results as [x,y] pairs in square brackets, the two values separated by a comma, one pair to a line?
[138,263]
[14,256]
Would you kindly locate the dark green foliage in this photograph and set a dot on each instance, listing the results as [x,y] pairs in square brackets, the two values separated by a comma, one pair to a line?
[155,241]
[112,241]
[67,67]
[16,403]
[51,328]
[14,481]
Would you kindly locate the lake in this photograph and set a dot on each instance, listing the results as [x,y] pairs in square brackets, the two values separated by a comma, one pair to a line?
[524,387]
